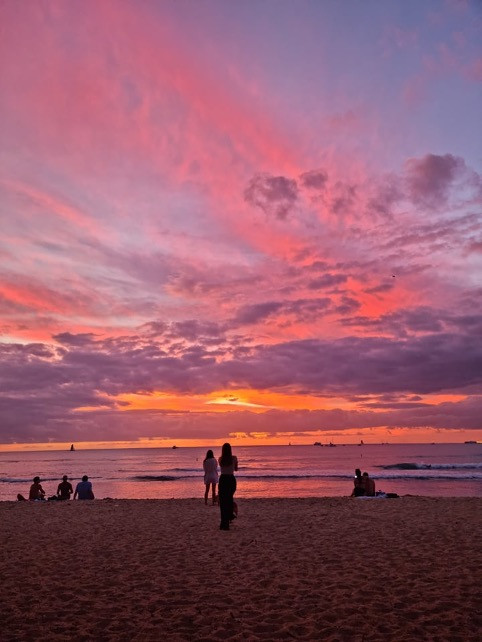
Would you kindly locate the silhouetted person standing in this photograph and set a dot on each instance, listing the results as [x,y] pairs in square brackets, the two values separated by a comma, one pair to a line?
[227,485]
[211,478]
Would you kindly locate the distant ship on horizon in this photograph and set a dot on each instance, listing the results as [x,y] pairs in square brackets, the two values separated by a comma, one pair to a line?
[72,447]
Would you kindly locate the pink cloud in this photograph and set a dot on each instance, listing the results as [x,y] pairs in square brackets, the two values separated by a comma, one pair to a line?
[190,204]
[54,205]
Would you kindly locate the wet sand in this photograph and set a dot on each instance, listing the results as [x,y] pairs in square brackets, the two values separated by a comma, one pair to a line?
[331,569]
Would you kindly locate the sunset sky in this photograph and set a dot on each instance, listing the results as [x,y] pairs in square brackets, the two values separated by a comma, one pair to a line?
[254,220]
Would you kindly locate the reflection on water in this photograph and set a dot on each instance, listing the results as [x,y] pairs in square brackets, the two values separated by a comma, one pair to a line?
[265,471]
[282,488]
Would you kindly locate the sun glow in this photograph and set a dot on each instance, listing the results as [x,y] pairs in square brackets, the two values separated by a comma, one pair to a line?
[229,400]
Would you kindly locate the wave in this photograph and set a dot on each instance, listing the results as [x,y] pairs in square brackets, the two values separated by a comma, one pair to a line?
[21,480]
[200,476]
[43,480]
[435,477]
[328,475]
[156,478]
[314,476]
[422,466]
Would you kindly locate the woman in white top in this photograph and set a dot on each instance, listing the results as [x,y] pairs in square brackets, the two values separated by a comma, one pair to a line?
[227,486]
[210,466]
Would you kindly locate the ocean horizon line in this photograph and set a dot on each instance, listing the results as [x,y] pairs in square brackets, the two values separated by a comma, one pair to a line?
[79,448]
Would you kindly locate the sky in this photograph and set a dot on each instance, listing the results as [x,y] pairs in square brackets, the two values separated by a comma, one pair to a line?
[253,221]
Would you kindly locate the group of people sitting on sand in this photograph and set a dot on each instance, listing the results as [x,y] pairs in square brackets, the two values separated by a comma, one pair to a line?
[83,490]
[364,486]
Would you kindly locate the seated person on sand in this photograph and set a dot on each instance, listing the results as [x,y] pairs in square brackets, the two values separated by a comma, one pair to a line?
[64,489]
[84,489]
[36,493]
[369,486]
[359,484]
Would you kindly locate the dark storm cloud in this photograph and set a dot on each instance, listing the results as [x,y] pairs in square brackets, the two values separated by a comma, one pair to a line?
[257,312]
[275,195]
[344,198]
[194,330]
[315,179]
[475,247]
[298,309]
[317,266]
[347,305]
[438,235]
[308,309]
[472,322]
[154,328]
[380,289]
[403,322]
[369,365]
[327,281]
[69,339]
[183,332]
[430,178]
[387,194]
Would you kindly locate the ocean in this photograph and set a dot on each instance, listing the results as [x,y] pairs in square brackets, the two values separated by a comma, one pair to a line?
[443,470]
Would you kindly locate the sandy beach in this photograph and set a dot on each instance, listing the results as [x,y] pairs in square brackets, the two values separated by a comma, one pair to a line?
[289,569]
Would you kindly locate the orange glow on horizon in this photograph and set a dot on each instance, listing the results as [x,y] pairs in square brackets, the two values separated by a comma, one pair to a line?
[348,437]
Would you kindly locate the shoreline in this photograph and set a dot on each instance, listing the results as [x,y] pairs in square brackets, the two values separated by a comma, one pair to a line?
[182,491]
[246,498]
[311,568]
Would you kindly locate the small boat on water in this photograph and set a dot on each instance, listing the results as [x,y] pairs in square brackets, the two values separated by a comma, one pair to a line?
[72,447]
[174,446]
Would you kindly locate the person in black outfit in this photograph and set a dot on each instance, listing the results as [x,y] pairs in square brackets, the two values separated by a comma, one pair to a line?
[64,489]
[359,484]
[227,486]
